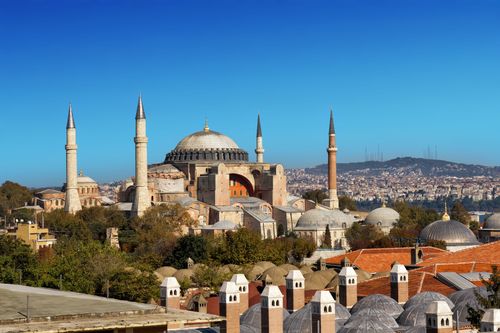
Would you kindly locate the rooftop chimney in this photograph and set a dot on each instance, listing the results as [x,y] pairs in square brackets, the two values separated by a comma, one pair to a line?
[170,293]
[229,307]
[491,321]
[242,283]
[323,312]
[399,283]
[295,284]
[438,318]
[348,287]
[271,310]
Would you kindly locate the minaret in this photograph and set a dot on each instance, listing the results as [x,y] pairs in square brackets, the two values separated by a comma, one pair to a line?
[72,201]
[259,148]
[333,200]
[142,200]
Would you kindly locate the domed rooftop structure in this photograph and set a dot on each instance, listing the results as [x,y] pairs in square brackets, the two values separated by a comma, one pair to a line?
[375,314]
[300,321]
[492,222]
[365,325]
[207,145]
[252,316]
[380,303]
[427,297]
[450,231]
[319,218]
[413,315]
[383,217]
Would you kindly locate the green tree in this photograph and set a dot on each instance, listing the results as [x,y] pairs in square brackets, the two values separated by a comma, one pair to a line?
[303,248]
[157,230]
[194,247]
[327,241]
[362,236]
[241,247]
[63,224]
[210,276]
[17,261]
[315,195]
[137,286]
[13,195]
[347,202]
[459,213]
[491,300]
[99,218]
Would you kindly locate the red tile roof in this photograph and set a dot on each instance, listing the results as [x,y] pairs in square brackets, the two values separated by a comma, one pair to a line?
[380,259]
[485,253]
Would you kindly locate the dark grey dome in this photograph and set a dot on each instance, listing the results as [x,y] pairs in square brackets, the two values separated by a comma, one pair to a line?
[365,325]
[413,315]
[300,321]
[383,217]
[416,329]
[252,316]
[463,299]
[376,315]
[378,302]
[451,232]
[206,145]
[427,297]
[492,222]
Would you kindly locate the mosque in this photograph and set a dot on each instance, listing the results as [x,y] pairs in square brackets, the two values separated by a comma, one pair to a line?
[209,175]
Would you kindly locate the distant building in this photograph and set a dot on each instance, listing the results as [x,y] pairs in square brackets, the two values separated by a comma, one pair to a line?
[34,236]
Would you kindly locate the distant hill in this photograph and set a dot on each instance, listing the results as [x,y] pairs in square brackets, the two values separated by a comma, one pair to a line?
[412,165]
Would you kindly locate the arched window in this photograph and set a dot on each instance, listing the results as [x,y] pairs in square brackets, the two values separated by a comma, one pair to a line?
[330,308]
[277,303]
[171,292]
[325,309]
[442,322]
[175,292]
[447,322]
[272,303]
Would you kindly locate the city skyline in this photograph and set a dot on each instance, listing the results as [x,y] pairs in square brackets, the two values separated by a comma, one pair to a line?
[434,62]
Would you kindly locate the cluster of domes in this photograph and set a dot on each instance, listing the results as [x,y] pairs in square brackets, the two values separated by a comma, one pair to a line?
[207,145]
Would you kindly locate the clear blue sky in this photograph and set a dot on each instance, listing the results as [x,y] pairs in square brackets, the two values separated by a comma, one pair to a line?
[401,75]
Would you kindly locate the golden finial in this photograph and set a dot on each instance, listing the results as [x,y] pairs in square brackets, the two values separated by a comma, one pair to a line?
[81,173]
[206,129]
[445,216]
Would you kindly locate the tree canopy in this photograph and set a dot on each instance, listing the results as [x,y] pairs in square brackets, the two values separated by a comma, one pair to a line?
[13,195]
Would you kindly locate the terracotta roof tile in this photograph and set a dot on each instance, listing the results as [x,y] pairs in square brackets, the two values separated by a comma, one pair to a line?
[380,259]
[485,253]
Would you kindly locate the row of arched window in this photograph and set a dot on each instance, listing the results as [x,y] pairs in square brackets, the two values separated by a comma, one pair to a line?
[233,298]
[208,155]
[298,284]
[88,190]
[242,288]
[173,292]
[444,322]
[327,309]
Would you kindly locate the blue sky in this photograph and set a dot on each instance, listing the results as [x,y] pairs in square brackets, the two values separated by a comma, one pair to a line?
[401,75]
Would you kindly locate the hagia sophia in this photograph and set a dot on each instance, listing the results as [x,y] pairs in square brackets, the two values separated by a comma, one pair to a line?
[214,179]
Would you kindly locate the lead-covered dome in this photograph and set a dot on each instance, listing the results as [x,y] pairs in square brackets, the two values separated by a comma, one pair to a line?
[207,145]
[492,222]
[382,217]
[319,218]
[450,231]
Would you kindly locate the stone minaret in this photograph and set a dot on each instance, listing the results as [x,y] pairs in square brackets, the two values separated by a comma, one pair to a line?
[333,200]
[242,284]
[72,201]
[271,301]
[229,307]
[438,318]
[259,148]
[323,312]
[399,283]
[295,295]
[141,200]
[170,293]
[348,286]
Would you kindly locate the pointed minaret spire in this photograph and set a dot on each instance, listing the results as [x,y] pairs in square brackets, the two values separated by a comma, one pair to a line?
[71,120]
[142,200]
[259,147]
[259,129]
[332,127]
[72,202]
[333,200]
[140,109]
[445,216]
[206,128]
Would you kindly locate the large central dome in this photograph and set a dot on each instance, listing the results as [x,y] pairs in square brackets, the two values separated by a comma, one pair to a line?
[207,145]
